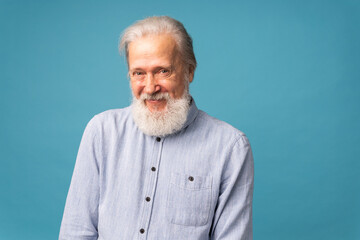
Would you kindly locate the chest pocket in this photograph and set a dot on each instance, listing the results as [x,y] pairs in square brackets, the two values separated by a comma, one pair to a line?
[189,199]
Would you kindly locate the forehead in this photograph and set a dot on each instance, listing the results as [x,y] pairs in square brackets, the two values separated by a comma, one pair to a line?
[152,49]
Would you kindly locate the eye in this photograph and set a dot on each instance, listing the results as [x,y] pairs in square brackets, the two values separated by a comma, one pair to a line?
[137,73]
[163,73]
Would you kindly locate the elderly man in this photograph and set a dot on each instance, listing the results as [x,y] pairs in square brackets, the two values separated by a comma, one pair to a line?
[161,168]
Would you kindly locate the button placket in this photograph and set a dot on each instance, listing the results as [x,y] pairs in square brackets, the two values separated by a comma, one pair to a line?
[149,194]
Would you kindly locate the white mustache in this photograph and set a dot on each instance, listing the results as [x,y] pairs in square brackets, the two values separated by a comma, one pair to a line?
[155,96]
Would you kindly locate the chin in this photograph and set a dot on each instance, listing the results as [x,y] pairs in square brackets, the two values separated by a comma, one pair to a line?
[157,109]
[164,120]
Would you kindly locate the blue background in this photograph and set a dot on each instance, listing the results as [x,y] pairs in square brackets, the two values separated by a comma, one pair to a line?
[287,73]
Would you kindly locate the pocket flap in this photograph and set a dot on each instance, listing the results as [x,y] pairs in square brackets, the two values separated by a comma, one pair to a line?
[188,181]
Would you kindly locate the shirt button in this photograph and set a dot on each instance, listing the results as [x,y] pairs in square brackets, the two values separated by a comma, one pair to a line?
[148,199]
[158,139]
[142,231]
[191,178]
[153,169]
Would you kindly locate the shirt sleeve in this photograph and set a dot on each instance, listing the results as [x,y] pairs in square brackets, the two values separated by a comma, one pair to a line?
[233,213]
[80,219]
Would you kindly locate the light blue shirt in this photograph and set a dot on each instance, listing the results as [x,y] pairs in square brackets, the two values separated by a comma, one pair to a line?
[193,184]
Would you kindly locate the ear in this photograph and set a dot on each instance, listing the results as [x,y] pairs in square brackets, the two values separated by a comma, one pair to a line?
[191,74]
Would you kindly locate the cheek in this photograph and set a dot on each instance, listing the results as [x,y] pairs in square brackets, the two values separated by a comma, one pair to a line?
[174,88]
[136,89]
[177,89]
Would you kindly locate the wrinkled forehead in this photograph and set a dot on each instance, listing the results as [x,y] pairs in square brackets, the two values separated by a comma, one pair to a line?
[152,48]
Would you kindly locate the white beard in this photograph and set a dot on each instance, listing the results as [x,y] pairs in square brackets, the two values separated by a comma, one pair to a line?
[161,123]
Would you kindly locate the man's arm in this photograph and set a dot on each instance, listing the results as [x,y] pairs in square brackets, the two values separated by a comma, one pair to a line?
[233,214]
[80,217]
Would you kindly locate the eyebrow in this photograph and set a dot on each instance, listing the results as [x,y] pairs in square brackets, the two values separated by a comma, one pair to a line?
[155,69]
[134,69]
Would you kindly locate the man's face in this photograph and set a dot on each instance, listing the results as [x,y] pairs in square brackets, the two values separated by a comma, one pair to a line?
[155,66]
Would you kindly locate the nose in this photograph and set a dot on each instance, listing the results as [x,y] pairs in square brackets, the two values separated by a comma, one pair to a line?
[151,85]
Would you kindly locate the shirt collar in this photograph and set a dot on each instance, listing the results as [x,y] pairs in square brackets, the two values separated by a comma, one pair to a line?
[193,112]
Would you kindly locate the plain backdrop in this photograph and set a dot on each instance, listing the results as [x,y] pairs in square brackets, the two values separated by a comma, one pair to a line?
[287,73]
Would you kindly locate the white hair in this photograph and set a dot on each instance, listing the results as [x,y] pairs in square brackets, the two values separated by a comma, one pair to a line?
[160,25]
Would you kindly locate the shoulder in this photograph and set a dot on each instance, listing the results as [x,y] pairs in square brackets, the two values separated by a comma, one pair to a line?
[221,130]
[111,115]
[109,119]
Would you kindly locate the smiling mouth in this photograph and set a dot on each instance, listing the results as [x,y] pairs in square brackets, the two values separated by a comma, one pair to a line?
[155,101]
